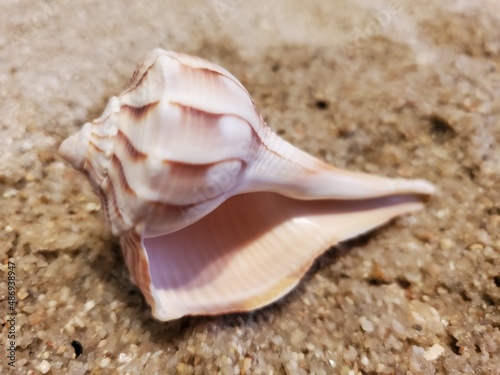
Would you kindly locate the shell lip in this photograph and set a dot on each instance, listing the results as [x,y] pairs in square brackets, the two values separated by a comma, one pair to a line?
[175,279]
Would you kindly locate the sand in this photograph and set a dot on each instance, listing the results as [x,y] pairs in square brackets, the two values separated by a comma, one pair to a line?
[396,88]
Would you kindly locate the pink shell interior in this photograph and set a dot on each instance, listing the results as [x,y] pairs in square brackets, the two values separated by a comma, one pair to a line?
[250,251]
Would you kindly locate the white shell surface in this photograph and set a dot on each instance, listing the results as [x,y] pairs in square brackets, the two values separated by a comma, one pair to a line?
[216,213]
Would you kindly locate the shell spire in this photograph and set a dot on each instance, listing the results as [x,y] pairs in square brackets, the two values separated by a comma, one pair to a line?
[74,149]
[215,212]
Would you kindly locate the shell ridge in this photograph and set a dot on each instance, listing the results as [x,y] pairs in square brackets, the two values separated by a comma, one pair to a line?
[122,178]
[114,212]
[139,112]
[131,150]
[207,66]
[138,80]
[256,133]
[137,262]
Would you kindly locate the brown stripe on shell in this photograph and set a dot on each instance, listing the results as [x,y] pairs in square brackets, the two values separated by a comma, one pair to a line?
[105,206]
[139,81]
[104,189]
[202,112]
[136,73]
[108,195]
[208,72]
[205,69]
[138,264]
[93,176]
[102,136]
[122,178]
[134,81]
[132,152]
[99,121]
[95,147]
[182,164]
[139,113]
[112,204]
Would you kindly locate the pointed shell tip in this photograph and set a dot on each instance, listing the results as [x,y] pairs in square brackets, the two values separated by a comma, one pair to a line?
[74,148]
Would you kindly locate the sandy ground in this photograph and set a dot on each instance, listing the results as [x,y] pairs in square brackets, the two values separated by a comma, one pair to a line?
[388,87]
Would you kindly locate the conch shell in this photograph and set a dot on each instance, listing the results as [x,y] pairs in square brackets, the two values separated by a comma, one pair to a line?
[215,212]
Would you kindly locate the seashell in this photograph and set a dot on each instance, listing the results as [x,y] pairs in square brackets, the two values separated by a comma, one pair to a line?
[215,212]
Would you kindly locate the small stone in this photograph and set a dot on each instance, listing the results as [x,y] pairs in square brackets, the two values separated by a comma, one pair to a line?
[366,324]
[79,322]
[247,362]
[61,349]
[69,327]
[350,354]
[44,367]
[417,363]
[364,360]
[9,193]
[297,337]
[424,235]
[492,48]
[105,362]
[123,358]
[277,340]
[477,246]
[22,294]
[29,177]
[446,244]
[102,343]
[37,317]
[77,368]
[332,363]
[397,326]
[181,368]
[92,207]
[89,305]
[434,352]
